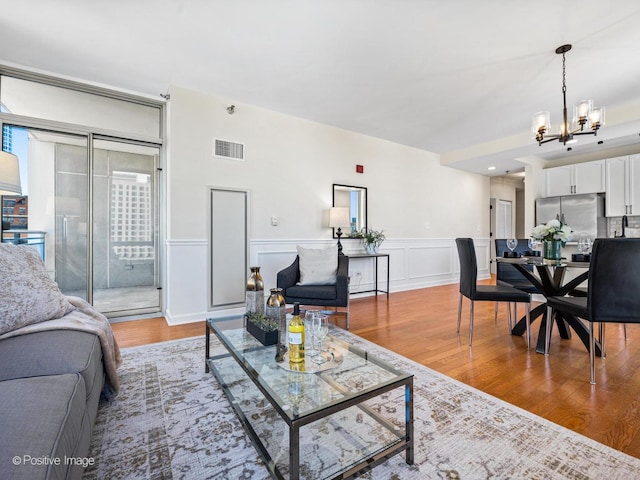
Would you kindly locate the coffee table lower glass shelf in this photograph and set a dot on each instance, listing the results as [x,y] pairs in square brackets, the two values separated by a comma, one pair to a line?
[333,423]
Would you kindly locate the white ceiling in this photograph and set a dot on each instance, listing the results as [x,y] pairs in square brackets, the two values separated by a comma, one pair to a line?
[461,78]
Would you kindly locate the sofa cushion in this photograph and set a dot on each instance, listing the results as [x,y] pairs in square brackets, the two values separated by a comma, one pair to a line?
[318,266]
[28,294]
[53,352]
[42,418]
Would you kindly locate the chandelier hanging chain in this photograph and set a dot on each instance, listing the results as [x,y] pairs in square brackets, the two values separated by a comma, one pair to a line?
[564,74]
[584,113]
[565,126]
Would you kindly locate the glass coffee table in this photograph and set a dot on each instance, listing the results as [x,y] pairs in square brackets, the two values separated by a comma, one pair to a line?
[333,420]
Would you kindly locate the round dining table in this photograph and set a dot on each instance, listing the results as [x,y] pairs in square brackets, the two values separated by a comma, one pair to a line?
[549,282]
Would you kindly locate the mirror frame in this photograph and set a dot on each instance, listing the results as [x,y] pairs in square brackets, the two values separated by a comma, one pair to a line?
[350,187]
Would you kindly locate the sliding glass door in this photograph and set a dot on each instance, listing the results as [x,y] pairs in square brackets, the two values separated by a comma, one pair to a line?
[67,198]
[125,219]
[95,203]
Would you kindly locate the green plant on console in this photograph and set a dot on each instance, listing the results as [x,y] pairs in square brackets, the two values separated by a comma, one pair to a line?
[370,237]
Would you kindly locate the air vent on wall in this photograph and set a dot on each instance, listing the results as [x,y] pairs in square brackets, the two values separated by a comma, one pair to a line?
[226,149]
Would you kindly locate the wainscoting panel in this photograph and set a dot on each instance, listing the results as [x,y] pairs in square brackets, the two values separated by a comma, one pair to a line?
[414,263]
[186,284]
[430,261]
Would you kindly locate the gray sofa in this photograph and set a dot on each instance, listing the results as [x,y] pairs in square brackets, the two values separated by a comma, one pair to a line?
[52,377]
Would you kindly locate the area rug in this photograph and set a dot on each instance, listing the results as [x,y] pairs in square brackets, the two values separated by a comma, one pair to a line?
[171,420]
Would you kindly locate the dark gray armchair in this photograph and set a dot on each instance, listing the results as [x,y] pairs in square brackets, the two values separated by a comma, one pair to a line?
[336,295]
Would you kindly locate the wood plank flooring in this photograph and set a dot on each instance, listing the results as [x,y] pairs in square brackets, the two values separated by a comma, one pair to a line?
[421,325]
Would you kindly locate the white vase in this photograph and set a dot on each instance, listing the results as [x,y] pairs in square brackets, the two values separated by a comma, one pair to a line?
[371,248]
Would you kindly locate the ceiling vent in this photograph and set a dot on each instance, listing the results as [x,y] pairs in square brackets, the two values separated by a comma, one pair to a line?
[227,149]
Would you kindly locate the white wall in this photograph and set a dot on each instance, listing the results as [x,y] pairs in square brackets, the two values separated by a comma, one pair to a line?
[290,167]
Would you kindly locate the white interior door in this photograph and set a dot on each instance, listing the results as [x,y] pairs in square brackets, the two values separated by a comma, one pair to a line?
[504,224]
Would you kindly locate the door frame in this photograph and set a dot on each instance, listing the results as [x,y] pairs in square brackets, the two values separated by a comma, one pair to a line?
[211,246]
[61,128]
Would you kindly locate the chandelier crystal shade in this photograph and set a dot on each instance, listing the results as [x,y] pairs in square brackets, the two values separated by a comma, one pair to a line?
[584,115]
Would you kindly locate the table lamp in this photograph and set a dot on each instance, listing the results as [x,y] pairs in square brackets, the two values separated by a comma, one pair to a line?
[9,174]
[338,218]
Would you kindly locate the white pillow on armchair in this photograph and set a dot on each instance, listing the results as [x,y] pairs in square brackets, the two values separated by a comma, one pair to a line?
[318,266]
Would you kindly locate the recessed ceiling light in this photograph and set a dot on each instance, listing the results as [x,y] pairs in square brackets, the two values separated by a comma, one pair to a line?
[491,168]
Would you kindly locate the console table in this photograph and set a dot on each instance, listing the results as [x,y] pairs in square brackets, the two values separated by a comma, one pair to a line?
[375,257]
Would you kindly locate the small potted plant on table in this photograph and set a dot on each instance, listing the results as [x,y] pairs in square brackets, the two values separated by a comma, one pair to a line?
[263,328]
[370,239]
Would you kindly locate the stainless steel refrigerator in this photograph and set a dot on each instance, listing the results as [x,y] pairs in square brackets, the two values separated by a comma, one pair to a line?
[583,213]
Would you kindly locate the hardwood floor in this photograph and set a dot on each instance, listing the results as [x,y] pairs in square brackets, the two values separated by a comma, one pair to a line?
[421,325]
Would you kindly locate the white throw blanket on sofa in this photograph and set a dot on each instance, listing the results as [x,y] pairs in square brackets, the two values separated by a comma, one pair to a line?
[85,319]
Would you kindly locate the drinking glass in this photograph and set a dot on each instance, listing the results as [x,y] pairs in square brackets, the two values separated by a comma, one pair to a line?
[311,326]
[323,330]
[512,243]
[584,245]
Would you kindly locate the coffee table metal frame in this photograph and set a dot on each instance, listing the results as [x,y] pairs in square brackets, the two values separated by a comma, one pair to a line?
[405,440]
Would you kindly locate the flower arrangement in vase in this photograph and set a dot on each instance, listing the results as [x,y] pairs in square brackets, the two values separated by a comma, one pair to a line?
[370,239]
[555,234]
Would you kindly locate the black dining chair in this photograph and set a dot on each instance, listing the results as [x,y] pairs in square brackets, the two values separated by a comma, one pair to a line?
[509,276]
[582,292]
[489,293]
[612,293]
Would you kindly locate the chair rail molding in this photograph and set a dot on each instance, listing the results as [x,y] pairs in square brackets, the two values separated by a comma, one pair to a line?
[414,262]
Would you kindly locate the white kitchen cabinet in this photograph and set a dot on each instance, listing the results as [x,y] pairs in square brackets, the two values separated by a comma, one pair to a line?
[558,181]
[623,186]
[588,177]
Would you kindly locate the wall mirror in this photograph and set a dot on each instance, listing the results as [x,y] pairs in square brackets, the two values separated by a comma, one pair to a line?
[355,198]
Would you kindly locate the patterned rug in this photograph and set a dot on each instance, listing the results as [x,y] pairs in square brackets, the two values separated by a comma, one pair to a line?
[172,421]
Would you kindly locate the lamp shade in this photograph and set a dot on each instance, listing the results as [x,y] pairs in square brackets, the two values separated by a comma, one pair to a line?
[339,217]
[9,174]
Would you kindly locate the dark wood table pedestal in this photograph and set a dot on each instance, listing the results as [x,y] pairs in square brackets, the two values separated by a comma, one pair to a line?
[550,284]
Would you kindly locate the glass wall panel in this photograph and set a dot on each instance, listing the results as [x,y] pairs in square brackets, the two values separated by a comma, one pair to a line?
[125,219]
[71,208]
[123,260]
[88,163]
[37,100]
[54,175]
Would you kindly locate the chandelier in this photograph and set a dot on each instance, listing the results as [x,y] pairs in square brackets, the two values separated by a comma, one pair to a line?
[583,113]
